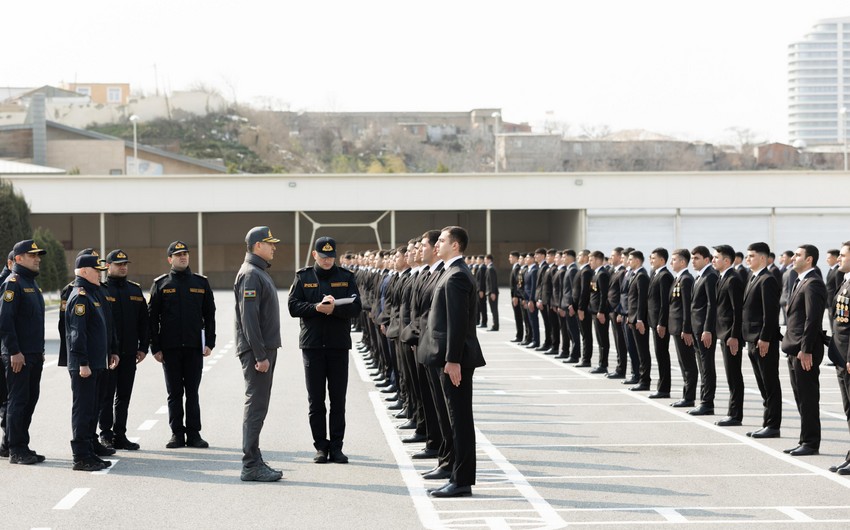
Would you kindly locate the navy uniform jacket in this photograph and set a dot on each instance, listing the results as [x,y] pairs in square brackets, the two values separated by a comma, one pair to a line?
[181,308]
[529,283]
[320,331]
[110,328]
[85,326]
[639,297]
[129,313]
[22,313]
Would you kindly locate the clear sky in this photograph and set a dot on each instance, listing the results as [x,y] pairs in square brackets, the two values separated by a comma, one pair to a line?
[691,69]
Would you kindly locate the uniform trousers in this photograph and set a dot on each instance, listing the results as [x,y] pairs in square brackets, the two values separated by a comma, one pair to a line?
[662,358]
[118,387]
[494,309]
[620,344]
[844,387]
[446,455]
[258,390]
[326,369]
[766,370]
[586,331]
[459,406]
[602,338]
[641,341]
[806,387]
[707,371]
[84,406]
[732,365]
[183,368]
[688,366]
[518,319]
[23,391]
[4,392]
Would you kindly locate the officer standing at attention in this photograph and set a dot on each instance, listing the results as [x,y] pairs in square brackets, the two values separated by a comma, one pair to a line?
[257,342]
[88,345]
[182,320]
[22,336]
[325,297]
[132,332]
[4,440]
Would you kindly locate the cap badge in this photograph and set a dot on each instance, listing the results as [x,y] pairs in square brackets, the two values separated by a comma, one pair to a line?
[327,248]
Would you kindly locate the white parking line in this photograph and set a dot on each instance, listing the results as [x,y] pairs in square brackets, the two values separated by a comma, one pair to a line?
[684,444]
[568,422]
[147,425]
[795,514]
[671,515]
[162,410]
[667,475]
[105,471]
[69,500]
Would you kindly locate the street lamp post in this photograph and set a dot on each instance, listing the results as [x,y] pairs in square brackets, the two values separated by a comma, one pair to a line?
[844,129]
[496,116]
[135,119]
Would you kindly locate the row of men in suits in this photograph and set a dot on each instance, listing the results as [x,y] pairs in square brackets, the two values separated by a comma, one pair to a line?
[421,306]
[723,303]
[487,283]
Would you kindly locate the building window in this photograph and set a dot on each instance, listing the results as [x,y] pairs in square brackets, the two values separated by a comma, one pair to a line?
[113,95]
[84,90]
[577,149]
[116,172]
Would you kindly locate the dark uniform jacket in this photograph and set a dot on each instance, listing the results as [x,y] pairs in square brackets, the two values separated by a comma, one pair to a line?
[129,315]
[806,304]
[704,303]
[558,276]
[544,284]
[567,297]
[760,318]
[679,319]
[529,283]
[638,297]
[659,297]
[515,275]
[320,331]
[22,313]
[841,323]
[111,334]
[181,308]
[410,332]
[257,309]
[581,288]
[492,281]
[86,332]
[394,326]
[730,299]
[599,292]
[614,289]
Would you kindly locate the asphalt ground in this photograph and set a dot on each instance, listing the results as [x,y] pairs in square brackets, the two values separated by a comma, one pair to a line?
[557,446]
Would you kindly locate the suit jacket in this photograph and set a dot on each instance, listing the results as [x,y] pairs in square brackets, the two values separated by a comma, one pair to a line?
[777,273]
[492,281]
[614,287]
[515,275]
[760,310]
[558,276]
[730,298]
[451,320]
[834,279]
[639,297]
[529,283]
[681,294]
[584,277]
[481,277]
[599,292]
[544,284]
[568,296]
[806,304]
[704,302]
[841,322]
[659,297]
[743,273]
[788,279]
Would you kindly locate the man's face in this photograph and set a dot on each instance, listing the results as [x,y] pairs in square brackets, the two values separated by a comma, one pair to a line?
[583,258]
[179,261]
[512,259]
[265,250]
[634,263]
[700,261]
[656,261]
[595,263]
[721,262]
[756,261]
[844,259]
[427,250]
[550,258]
[800,262]
[445,246]
[831,260]
[678,263]
[539,258]
[616,258]
[118,270]
[29,261]
[325,263]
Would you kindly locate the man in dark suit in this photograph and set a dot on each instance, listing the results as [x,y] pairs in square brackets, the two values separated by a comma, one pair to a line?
[741,268]
[525,262]
[658,313]
[516,297]
[568,305]
[773,268]
[618,272]
[481,281]
[451,346]
[839,347]
[638,318]
[704,320]
[730,296]
[789,276]
[544,296]
[803,344]
[598,309]
[680,327]
[581,297]
[760,327]
[562,337]
[492,290]
[529,283]
[834,279]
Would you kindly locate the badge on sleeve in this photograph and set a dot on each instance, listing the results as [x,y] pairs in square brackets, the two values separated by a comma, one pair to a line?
[8,296]
[250,293]
[80,309]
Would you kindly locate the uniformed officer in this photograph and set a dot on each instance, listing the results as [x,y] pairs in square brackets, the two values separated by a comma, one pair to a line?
[182,321]
[22,338]
[4,441]
[257,342]
[129,313]
[87,341]
[324,297]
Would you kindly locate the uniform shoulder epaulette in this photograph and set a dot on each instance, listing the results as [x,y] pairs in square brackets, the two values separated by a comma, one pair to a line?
[299,271]
[199,275]
[12,278]
[160,277]
[81,292]
[134,283]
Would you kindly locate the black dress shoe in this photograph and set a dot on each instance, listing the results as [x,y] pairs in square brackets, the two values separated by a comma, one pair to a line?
[493,329]
[532,345]
[702,410]
[659,395]
[124,443]
[382,383]
[545,347]
[682,403]
[551,351]
[599,370]
[391,398]
[101,450]
[402,414]
[631,381]
[766,432]
[525,343]
[197,442]
[616,375]
[321,457]
[398,405]
[639,388]
[409,424]
[728,422]
[842,465]
[452,490]
[177,440]
[583,365]
[337,456]
[438,474]
[425,454]
[571,361]
[517,340]
[844,470]
[803,450]
[414,438]
[482,326]
[563,355]
[391,389]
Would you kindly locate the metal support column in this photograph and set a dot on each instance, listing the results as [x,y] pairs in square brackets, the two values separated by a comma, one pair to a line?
[103,235]
[392,229]
[200,243]
[297,240]
[489,232]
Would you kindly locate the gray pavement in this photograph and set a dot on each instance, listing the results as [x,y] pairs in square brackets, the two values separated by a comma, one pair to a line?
[557,446]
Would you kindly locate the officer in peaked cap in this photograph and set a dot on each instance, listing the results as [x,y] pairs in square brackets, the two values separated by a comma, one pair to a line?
[129,312]
[22,336]
[182,333]
[324,341]
[4,449]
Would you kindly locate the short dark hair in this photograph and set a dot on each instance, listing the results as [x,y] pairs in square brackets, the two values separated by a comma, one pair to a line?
[628,250]
[459,235]
[661,253]
[551,252]
[834,252]
[739,255]
[683,253]
[570,252]
[618,250]
[702,250]
[515,253]
[811,251]
[788,253]
[759,247]
[489,256]
[540,250]
[432,236]
[597,254]
[771,255]
[585,251]
[637,254]
[726,251]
